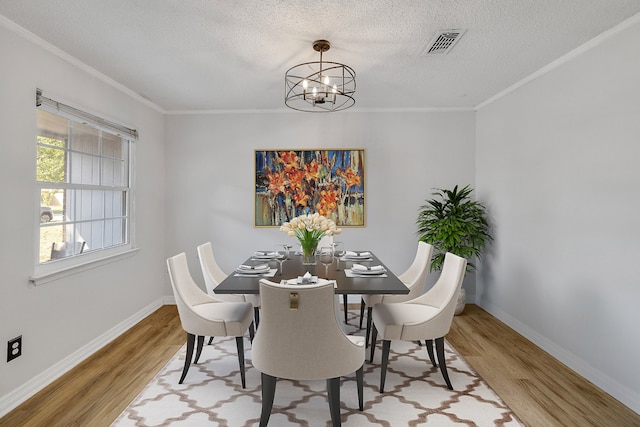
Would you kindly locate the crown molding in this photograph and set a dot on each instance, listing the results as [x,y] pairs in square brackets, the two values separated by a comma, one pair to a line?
[591,44]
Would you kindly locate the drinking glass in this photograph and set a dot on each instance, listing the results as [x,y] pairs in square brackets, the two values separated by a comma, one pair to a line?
[338,252]
[282,256]
[326,257]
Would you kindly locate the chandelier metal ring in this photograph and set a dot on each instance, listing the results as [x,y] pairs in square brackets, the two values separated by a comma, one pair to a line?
[320,86]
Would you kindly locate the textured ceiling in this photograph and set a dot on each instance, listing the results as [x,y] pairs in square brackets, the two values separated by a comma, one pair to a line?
[232,55]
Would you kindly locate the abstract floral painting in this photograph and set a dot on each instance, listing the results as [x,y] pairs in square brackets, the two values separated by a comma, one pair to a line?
[294,182]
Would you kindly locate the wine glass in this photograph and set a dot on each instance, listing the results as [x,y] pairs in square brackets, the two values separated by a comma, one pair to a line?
[326,257]
[282,256]
[338,252]
[287,251]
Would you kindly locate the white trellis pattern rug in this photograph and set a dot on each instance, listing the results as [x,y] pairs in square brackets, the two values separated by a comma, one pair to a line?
[415,395]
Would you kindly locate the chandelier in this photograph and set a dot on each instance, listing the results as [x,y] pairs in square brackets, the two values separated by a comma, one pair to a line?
[320,86]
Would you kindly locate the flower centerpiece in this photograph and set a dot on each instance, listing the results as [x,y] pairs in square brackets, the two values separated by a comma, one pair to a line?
[309,229]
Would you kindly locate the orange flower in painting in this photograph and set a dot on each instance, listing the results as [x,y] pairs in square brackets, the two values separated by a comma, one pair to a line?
[295,178]
[313,170]
[351,177]
[276,182]
[300,198]
[328,202]
[289,159]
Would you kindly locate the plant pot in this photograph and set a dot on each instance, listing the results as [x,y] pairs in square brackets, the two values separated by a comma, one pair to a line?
[462,300]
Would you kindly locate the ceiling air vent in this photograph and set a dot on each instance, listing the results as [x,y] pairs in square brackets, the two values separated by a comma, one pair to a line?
[443,42]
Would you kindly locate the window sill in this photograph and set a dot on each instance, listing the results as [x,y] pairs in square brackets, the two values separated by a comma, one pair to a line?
[79,268]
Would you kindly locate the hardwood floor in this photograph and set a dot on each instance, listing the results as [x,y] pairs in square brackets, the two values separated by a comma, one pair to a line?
[539,389]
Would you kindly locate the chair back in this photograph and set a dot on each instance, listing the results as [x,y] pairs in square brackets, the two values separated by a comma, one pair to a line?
[443,296]
[415,277]
[187,295]
[213,274]
[299,335]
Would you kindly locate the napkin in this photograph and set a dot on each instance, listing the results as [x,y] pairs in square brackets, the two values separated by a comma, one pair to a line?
[361,267]
[357,254]
[254,267]
[307,278]
[299,281]
[266,253]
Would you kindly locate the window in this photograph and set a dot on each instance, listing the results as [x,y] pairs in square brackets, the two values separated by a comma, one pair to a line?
[84,184]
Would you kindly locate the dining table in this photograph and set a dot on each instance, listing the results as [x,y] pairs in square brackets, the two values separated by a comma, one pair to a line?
[291,269]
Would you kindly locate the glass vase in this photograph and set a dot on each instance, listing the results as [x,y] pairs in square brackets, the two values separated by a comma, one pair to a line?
[309,252]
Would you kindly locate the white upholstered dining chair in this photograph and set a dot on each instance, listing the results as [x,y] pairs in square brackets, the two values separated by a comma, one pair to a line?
[300,338]
[213,276]
[415,278]
[201,315]
[427,317]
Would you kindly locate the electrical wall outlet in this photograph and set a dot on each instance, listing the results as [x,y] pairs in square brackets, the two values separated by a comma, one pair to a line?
[14,348]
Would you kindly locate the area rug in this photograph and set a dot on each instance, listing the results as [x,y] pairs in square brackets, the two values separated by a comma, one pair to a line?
[415,394]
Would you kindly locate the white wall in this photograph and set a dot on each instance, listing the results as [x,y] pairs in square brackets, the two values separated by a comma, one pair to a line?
[210,176]
[59,319]
[558,165]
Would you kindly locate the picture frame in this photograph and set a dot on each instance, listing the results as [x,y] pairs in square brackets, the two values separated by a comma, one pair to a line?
[292,182]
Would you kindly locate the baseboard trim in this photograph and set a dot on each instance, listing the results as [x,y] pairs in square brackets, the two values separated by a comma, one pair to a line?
[16,397]
[618,391]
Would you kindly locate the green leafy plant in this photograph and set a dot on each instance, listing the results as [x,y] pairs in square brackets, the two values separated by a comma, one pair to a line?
[452,222]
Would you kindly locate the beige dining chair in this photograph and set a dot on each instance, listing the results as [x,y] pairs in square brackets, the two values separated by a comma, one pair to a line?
[213,276]
[415,278]
[427,317]
[300,338]
[202,315]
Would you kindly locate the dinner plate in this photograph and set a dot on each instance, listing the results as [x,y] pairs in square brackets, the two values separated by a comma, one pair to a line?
[357,254]
[266,255]
[368,272]
[360,257]
[253,271]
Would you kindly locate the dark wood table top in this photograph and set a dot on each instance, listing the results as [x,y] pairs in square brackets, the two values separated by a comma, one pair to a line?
[292,268]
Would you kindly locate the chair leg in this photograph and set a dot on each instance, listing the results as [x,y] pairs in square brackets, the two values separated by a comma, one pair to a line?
[362,307]
[191,339]
[346,308]
[210,340]
[374,335]
[369,319]
[333,391]
[360,383]
[252,331]
[268,393]
[386,346]
[442,362]
[199,348]
[256,316]
[429,345]
[240,347]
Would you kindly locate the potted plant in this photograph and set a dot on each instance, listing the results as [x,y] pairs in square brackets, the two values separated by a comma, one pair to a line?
[452,222]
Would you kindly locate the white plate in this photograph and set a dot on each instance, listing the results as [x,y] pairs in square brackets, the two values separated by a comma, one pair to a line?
[263,255]
[368,272]
[255,269]
[256,272]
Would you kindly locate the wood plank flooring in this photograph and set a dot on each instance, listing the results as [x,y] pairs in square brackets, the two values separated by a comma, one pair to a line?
[539,389]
